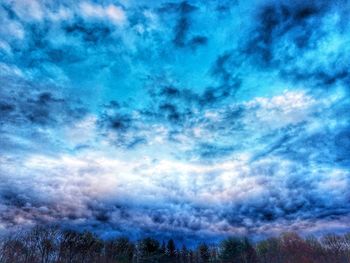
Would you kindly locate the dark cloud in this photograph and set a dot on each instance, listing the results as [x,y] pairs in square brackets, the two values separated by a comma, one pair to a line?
[93,33]
[198,41]
[210,151]
[124,127]
[183,36]
[38,108]
[119,122]
[180,31]
[225,69]
[223,7]
[278,19]
[287,35]
[342,145]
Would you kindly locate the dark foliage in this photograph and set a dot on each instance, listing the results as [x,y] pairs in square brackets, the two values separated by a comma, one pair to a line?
[52,245]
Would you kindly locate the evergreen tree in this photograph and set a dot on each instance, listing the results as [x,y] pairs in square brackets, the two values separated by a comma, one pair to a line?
[184,254]
[203,253]
[171,248]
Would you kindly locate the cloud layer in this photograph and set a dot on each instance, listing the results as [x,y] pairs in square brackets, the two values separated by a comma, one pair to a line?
[189,119]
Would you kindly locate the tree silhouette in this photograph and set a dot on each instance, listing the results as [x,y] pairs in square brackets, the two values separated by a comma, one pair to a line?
[47,244]
[237,250]
[119,250]
[203,253]
[149,250]
[171,251]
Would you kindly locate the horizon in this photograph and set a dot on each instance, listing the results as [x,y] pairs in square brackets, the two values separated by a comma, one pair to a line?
[196,120]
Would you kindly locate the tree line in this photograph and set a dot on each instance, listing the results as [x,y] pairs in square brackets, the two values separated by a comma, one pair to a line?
[53,245]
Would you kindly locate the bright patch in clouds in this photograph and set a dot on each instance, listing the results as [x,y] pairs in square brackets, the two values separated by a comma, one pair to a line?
[113,13]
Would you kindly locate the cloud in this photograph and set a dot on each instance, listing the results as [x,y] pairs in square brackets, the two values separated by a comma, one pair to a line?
[29,10]
[290,108]
[301,40]
[111,12]
[187,119]
[235,191]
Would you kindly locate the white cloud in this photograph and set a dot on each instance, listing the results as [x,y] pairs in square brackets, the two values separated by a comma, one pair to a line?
[69,183]
[12,29]
[6,69]
[29,10]
[62,14]
[81,132]
[116,14]
[111,12]
[291,107]
[92,10]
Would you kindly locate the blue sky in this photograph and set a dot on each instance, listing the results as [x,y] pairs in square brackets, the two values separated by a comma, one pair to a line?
[197,119]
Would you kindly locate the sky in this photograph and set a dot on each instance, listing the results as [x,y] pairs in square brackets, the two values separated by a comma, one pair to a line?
[195,120]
